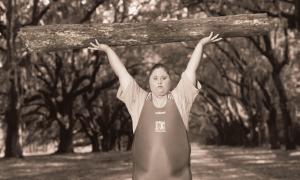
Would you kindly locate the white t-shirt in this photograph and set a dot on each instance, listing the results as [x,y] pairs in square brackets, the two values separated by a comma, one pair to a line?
[184,95]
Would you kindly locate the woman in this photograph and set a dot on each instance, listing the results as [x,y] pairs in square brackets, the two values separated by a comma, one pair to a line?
[161,149]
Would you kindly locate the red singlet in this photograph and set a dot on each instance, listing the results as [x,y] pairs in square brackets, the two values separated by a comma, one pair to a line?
[161,149]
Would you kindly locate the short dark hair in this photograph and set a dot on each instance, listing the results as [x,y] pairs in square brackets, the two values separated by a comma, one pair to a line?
[159,65]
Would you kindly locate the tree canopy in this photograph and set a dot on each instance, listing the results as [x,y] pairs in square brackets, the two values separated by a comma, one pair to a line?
[250,85]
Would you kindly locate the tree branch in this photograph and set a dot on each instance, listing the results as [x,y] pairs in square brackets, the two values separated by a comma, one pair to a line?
[42,77]
[219,93]
[286,58]
[3,30]
[91,11]
[37,17]
[264,52]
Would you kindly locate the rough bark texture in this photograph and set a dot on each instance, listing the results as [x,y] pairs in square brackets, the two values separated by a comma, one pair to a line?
[286,116]
[70,36]
[273,130]
[12,143]
[95,143]
[297,14]
[66,141]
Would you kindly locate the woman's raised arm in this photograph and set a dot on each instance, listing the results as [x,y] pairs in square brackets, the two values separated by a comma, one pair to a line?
[197,54]
[115,62]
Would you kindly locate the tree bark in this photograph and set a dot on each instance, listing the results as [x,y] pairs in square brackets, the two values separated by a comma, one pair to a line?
[106,141]
[283,103]
[95,143]
[66,141]
[12,144]
[72,36]
[66,135]
[297,14]
[130,141]
[272,127]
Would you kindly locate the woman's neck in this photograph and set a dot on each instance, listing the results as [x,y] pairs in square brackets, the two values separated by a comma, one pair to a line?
[159,96]
[159,101]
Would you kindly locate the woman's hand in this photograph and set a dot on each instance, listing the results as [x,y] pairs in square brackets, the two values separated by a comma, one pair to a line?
[114,61]
[209,39]
[97,46]
[197,54]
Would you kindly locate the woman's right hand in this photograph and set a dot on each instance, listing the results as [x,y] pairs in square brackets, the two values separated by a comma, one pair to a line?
[114,61]
[210,39]
[97,46]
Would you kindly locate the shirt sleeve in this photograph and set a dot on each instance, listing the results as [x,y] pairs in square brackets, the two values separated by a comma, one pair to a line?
[133,97]
[184,95]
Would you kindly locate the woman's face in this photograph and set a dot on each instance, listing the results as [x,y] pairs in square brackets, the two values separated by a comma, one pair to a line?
[160,82]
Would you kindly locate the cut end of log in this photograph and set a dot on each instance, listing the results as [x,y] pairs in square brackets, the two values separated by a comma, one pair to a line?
[25,42]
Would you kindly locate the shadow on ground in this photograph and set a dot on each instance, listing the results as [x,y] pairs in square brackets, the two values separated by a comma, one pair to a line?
[208,163]
[68,167]
[265,163]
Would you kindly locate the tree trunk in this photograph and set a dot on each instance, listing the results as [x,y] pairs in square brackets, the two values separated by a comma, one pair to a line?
[286,117]
[68,36]
[253,141]
[106,142]
[66,141]
[95,143]
[12,144]
[297,14]
[130,141]
[273,131]
[113,139]
[220,129]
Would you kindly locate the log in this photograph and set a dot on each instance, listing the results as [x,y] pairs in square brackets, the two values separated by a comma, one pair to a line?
[74,36]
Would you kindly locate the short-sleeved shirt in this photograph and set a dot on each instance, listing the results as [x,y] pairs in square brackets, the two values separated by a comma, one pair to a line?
[184,95]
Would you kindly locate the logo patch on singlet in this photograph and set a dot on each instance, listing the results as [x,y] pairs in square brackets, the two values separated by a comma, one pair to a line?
[160,126]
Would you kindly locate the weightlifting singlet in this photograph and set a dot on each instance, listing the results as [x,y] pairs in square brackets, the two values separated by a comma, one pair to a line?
[161,150]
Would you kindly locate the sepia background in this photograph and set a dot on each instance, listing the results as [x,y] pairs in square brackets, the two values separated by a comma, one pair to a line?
[60,118]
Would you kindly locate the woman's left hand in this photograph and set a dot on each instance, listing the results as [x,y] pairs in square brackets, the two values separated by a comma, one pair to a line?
[209,39]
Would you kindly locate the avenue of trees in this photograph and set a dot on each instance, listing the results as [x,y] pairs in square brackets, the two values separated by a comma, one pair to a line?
[250,85]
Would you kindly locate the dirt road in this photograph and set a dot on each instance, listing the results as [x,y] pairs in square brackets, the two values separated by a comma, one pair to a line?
[208,163]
